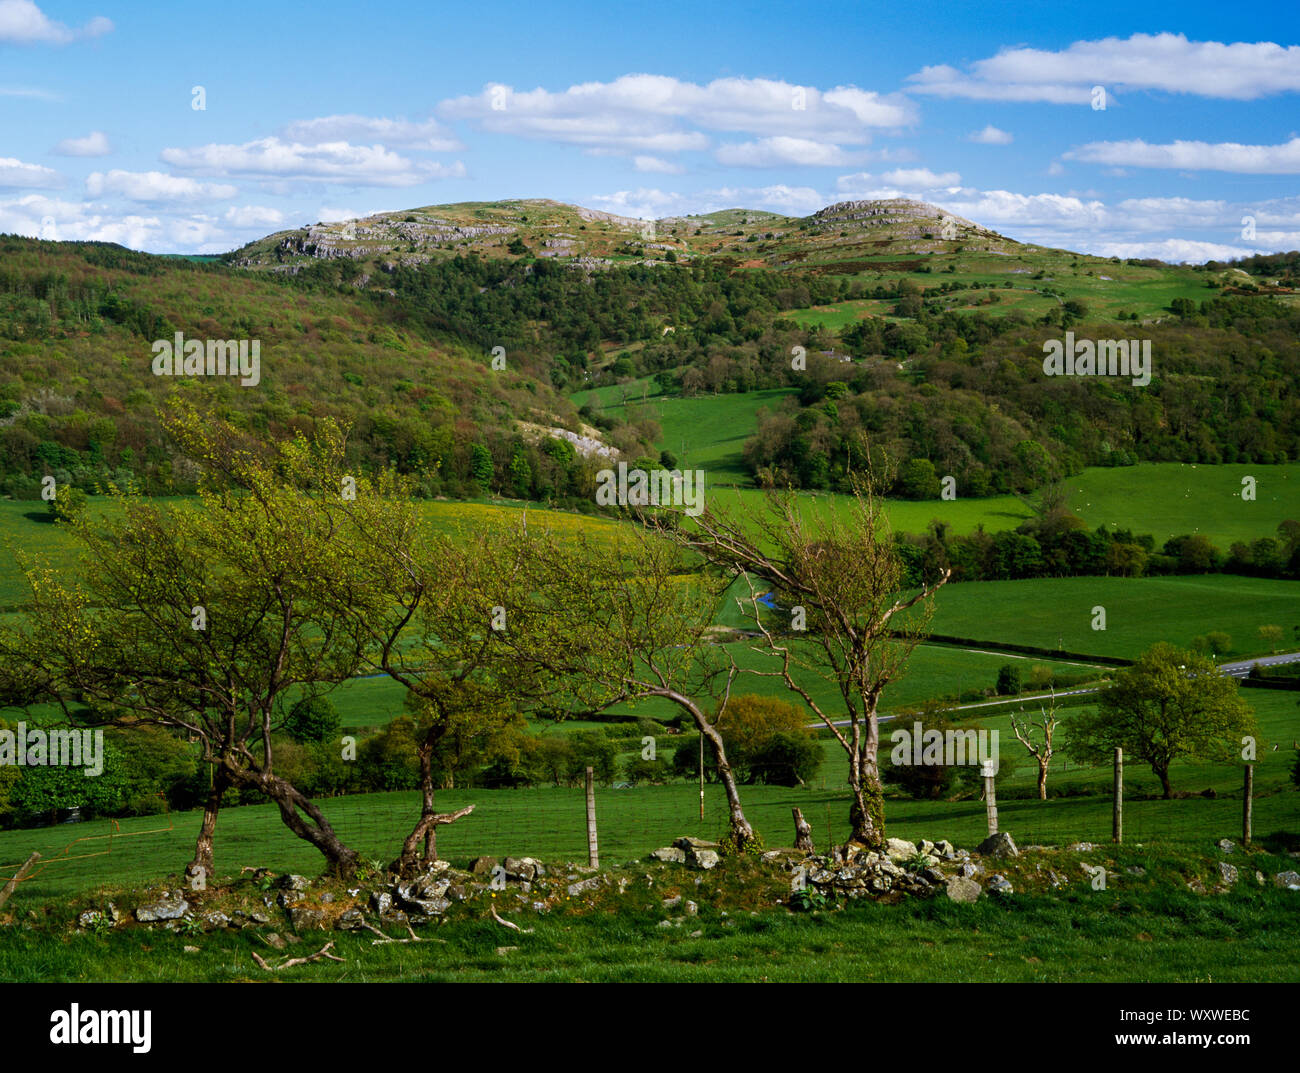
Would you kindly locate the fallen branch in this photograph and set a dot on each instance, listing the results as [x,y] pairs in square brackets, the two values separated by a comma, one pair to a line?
[508,924]
[389,939]
[323,952]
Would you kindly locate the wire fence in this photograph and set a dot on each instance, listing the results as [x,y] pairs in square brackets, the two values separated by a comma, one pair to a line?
[549,823]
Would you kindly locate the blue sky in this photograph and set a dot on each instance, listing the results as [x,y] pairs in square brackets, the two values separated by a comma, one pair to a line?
[331,110]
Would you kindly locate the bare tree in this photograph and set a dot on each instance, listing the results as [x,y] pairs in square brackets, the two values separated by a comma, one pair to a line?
[842,581]
[1041,750]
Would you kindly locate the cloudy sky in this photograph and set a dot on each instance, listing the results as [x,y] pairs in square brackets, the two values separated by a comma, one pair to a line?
[1114,128]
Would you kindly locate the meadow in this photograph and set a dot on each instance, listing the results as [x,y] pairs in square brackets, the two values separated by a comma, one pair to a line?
[549,822]
[1058,612]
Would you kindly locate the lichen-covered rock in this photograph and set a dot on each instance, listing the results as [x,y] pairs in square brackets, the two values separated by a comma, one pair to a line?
[899,849]
[997,884]
[961,889]
[350,920]
[669,855]
[998,845]
[304,918]
[165,909]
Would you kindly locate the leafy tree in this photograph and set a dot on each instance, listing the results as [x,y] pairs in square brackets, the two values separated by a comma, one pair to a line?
[1171,704]
[1008,680]
[207,617]
[312,718]
[480,465]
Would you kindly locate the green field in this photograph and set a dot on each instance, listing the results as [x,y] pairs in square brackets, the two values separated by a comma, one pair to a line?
[1168,499]
[705,432]
[1057,612]
[548,822]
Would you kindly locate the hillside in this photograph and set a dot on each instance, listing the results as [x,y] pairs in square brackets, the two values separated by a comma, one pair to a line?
[458,341]
[843,235]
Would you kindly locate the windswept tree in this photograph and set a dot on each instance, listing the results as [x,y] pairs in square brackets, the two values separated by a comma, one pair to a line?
[445,604]
[627,620]
[1171,704]
[210,617]
[848,616]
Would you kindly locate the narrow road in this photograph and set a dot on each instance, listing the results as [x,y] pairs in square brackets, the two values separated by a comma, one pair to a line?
[1236,669]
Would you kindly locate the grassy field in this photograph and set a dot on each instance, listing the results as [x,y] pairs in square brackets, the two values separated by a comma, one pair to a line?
[548,822]
[1052,612]
[1168,499]
[705,432]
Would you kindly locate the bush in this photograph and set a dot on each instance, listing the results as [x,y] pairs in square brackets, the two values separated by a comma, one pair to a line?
[1008,680]
[787,758]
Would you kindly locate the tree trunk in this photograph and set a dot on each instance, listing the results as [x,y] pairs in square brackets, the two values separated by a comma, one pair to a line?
[802,832]
[867,810]
[343,860]
[1042,780]
[202,866]
[741,832]
[410,861]
[1162,773]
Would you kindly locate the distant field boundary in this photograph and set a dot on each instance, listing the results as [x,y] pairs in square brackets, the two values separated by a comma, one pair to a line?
[1028,650]
[1271,683]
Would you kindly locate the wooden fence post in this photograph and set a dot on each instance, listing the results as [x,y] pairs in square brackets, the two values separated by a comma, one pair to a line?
[18,877]
[990,797]
[1117,827]
[593,853]
[802,831]
[1247,804]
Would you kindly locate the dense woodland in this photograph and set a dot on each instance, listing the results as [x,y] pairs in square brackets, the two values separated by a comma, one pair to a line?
[930,392]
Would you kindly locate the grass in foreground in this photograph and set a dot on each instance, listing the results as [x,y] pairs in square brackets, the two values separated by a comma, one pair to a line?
[1148,928]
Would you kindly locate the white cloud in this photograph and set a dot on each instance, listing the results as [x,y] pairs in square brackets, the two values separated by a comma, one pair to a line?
[1283,159]
[28,92]
[652,203]
[783,150]
[1165,61]
[245,216]
[658,114]
[921,178]
[990,135]
[93,144]
[154,186]
[995,208]
[656,164]
[428,135]
[328,215]
[1175,250]
[331,162]
[1055,168]
[23,23]
[14,173]
[37,215]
